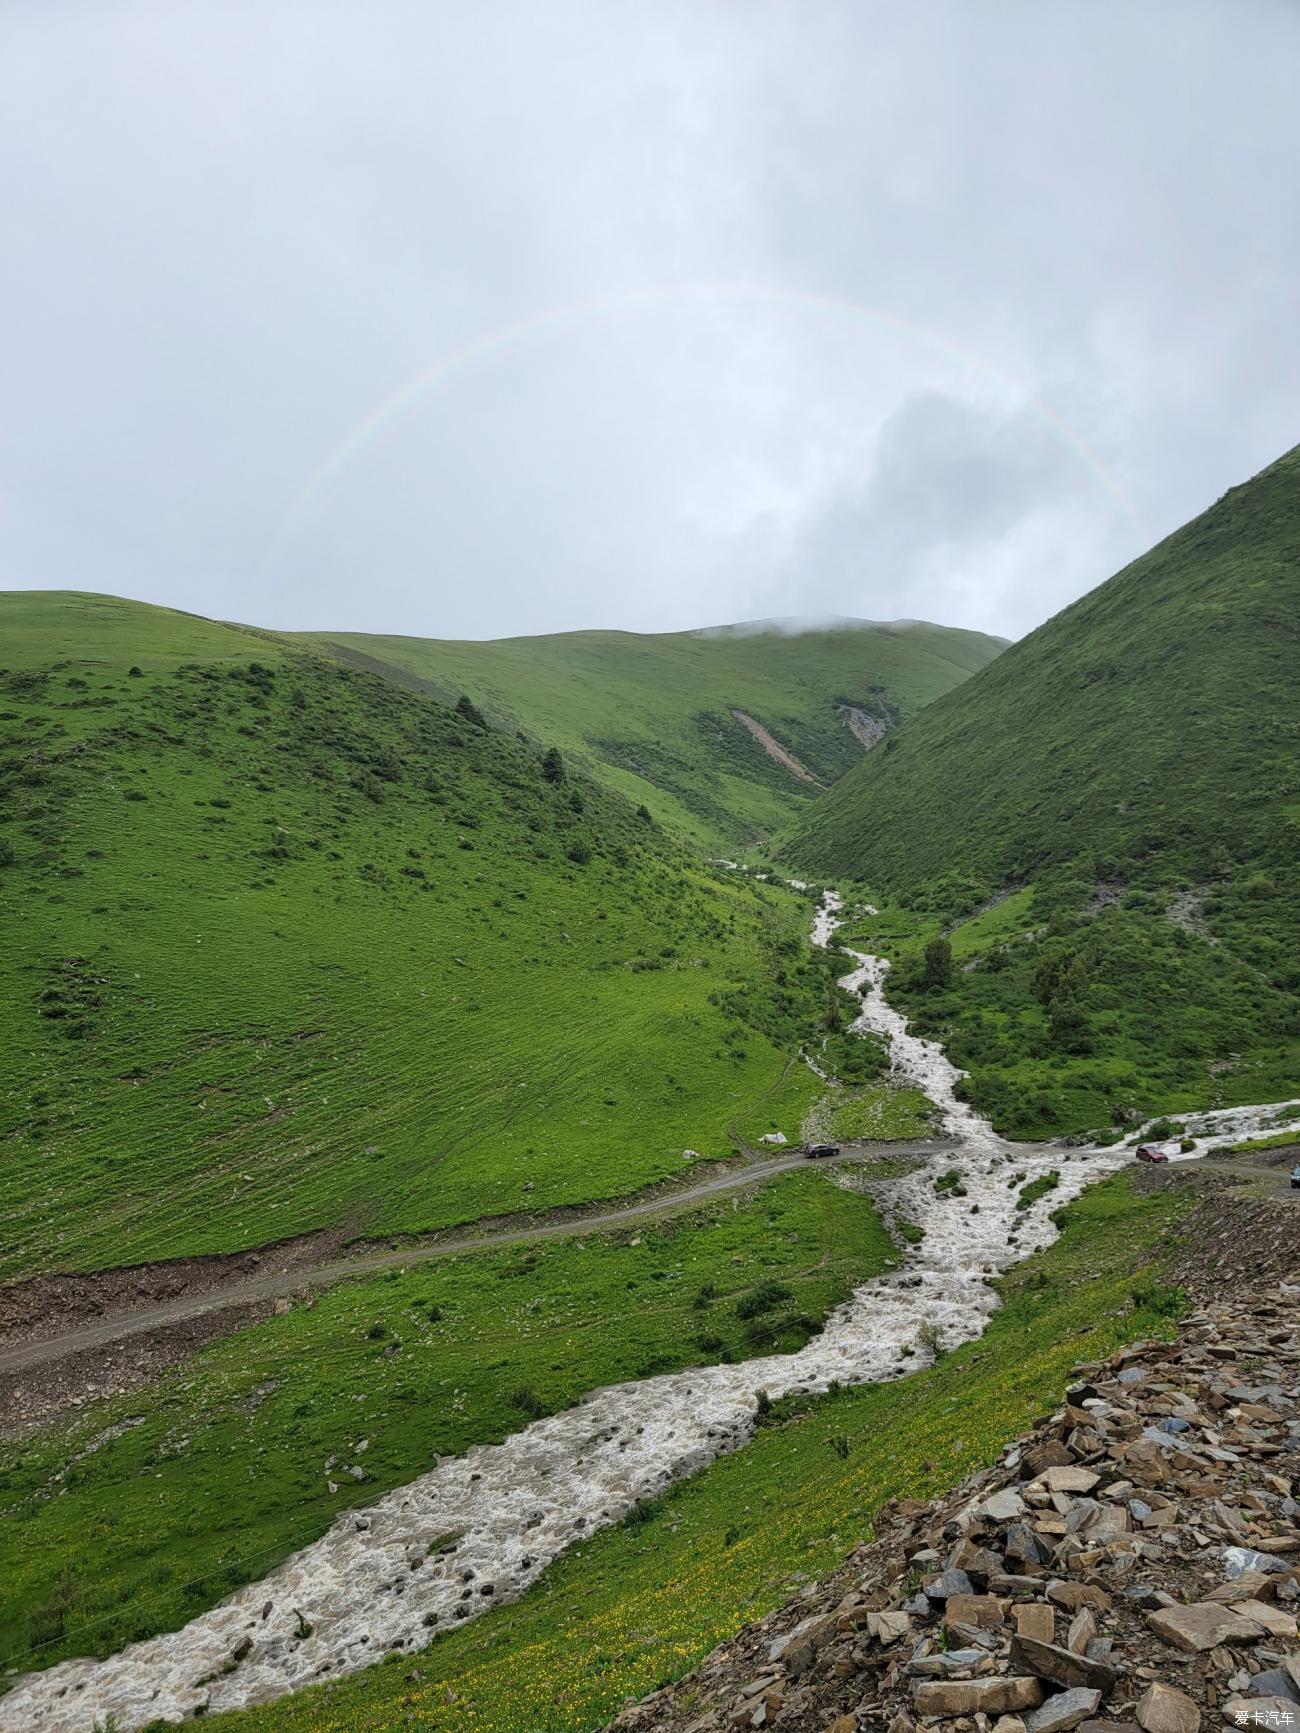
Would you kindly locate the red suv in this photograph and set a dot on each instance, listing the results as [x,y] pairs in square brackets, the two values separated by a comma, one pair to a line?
[1149,1152]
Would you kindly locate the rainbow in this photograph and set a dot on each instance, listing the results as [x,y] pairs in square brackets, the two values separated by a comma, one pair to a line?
[408,395]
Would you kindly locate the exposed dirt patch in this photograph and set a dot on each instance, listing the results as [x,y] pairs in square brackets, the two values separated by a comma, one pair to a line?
[775,750]
[868,730]
[34,1396]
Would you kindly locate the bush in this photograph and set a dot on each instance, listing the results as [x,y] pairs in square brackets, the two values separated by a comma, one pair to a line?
[764,1298]
[579,853]
[928,1340]
[528,1402]
[553,765]
[470,711]
[937,972]
[7,855]
[134,673]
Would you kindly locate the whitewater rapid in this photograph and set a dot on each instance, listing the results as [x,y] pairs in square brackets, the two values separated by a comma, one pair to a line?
[480,1528]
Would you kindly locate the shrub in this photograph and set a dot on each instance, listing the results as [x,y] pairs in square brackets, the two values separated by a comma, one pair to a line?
[470,711]
[763,1298]
[528,1402]
[7,855]
[579,852]
[937,972]
[135,673]
[553,765]
[928,1339]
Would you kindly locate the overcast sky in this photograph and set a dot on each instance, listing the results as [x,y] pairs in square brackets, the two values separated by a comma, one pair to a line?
[722,310]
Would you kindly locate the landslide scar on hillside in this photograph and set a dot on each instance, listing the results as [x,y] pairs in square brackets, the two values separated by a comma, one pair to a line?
[775,750]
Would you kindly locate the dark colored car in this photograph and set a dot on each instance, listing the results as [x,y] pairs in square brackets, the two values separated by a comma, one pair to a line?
[1295,1179]
[815,1150]
[1149,1152]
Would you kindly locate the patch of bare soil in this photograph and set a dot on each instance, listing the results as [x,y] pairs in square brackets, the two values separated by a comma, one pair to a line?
[34,1396]
[775,750]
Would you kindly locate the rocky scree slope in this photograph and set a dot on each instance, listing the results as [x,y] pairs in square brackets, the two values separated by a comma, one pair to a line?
[1132,1563]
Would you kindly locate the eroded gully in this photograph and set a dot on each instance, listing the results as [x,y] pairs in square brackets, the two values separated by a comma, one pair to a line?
[377,1581]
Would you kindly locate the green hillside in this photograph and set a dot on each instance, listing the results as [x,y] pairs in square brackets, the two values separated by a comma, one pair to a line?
[1128,778]
[284,946]
[652,716]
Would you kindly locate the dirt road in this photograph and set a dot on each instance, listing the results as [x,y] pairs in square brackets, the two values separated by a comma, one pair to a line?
[23,1355]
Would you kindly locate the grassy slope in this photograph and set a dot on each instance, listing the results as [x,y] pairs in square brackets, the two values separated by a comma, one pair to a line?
[287,946]
[220,1474]
[642,1602]
[1145,741]
[651,715]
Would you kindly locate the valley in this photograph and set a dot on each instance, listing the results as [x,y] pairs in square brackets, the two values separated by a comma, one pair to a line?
[496,1521]
[677,720]
[418,1309]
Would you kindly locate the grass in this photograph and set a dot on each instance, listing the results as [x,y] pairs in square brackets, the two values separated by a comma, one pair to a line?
[293,947]
[1029,1195]
[1279,1140]
[1077,1018]
[1116,791]
[167,1499]
[651,716]
[879,1113]
[641,1603]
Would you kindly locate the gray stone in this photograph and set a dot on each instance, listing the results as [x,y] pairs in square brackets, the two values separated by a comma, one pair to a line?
[1003,1506]
[1275,1683]
[1203,1625]
[948,1583]
[1061,1666]
[1239,1559]
[1062,1712]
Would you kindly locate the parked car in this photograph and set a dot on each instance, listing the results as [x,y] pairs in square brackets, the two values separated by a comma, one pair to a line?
[1295,1179]
[816,1150]
[1149,1152]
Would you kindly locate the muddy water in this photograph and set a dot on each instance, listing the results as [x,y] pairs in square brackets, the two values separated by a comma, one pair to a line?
[375,1582]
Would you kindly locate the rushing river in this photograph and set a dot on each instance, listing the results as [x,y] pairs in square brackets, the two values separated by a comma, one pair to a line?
[371,1584]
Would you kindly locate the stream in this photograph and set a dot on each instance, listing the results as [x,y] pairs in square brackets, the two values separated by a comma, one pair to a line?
[380,1580]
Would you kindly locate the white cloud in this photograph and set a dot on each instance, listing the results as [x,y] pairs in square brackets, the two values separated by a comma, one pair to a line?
[231,231]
